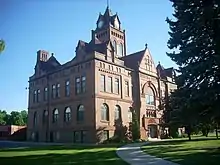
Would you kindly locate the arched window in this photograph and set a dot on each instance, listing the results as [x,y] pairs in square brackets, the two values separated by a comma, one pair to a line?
[104,112]
[129,115]
[67,114]
[45,116]
[35,119]
[120,49]
[80,113]
[117,112]
[55,115]
[115,46]
[149,96]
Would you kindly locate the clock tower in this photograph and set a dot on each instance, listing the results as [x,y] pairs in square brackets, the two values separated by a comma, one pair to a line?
[108,29]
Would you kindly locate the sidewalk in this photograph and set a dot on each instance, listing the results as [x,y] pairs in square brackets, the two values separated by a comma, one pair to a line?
[133,155]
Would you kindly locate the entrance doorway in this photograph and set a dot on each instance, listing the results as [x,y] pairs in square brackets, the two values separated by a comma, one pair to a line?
[152,131]
[51,137]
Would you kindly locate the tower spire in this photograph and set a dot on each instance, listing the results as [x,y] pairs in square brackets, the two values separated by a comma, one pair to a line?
[107,3]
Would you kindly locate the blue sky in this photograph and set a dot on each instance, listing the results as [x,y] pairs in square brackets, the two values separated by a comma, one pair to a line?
[57,25]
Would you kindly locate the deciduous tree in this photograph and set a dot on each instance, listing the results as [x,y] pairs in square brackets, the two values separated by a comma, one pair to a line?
[2,45]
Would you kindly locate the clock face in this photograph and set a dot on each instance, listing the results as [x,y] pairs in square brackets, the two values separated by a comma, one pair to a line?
[100,24]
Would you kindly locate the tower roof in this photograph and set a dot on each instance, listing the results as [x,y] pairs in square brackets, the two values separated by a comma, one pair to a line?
[108,18]
[108,12]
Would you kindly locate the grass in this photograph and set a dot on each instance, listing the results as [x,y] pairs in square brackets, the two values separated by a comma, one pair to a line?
[199,151]
[61,155]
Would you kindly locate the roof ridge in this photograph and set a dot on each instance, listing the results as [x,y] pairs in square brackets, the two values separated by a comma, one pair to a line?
[135,53]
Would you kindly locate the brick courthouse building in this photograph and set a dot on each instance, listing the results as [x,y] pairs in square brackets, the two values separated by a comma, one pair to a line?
[81,99]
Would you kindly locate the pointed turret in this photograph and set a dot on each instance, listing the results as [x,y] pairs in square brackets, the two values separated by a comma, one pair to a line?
[108,13]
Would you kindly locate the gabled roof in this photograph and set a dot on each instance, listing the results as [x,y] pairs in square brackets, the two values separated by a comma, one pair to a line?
[133,60]
[49,65]
[93,45]
[160,67]
[53,61]
[169,72]
[164,73]
[115,17]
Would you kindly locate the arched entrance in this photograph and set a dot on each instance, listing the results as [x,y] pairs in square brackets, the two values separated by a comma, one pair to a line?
[152,129]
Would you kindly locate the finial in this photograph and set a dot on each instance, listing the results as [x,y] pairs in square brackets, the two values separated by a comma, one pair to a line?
[146,45]
[52,54]
[159,62]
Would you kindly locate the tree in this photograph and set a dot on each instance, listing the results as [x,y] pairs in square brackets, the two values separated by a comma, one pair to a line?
[2,46]
[195,35]
[24,115]
[3,117]
[135,127]
[16,118]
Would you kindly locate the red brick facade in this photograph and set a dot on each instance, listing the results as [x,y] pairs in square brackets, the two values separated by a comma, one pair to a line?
[81,100]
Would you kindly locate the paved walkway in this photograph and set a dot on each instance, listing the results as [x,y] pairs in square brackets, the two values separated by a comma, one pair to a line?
[133,154]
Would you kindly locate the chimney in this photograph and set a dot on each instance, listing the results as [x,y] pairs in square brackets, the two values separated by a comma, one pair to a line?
[93,34]
[42,55]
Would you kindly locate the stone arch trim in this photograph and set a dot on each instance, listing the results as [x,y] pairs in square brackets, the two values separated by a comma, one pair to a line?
[151,85]
[152,122]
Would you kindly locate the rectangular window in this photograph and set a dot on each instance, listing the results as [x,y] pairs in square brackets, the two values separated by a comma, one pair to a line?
[126,88]
[109,84]
[35,96]
[45,94]
[38,95]
[152,100]
[117,85]
[80,136]
[149,100]
[77,137]
[83,79]
[58,91]
[102,81]
[83,136]
[105,135]
[67,88]
[129,115]
[77,86]
[53,91]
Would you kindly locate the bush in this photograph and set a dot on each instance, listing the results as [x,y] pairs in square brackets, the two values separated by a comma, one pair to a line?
[137,141]
[134,126]
[164,136]
[184,135]
[116,139]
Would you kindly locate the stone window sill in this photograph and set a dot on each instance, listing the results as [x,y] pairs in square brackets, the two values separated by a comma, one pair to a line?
[104,121]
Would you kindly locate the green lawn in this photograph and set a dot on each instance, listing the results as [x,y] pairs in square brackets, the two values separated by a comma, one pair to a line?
[196,152]
[61,155]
